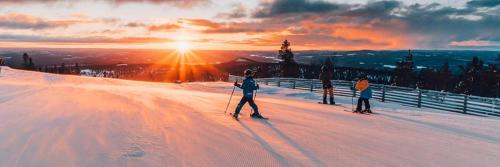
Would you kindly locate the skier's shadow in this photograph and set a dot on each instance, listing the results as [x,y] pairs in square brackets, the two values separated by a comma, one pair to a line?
[304,152]
[281,160]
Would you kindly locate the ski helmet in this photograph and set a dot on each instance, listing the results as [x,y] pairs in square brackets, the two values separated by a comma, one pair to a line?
[248,72]
[324,68]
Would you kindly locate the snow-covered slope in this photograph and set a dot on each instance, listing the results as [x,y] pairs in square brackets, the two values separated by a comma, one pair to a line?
[56,120]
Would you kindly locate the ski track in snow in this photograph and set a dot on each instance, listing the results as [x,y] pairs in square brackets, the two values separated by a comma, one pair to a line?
[61,120]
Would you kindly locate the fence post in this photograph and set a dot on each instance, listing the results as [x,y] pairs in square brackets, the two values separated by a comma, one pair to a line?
[419,103]
[383,94]
[312,85]
[466,98]
[267,82]
[279,82]
[294,83]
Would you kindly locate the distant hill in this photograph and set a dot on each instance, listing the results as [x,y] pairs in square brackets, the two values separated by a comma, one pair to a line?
[368,59]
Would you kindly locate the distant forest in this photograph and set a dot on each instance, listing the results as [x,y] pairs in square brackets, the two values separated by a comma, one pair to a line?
[474,78]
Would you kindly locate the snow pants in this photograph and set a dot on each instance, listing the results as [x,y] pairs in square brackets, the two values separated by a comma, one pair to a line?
[328,91]
[360,103]
[250,101]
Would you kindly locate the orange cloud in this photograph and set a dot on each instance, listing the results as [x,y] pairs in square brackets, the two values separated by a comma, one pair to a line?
[475,43]
[84,40]
[135,24]
[176,3]
[22,21]
[164,27]
[201,22]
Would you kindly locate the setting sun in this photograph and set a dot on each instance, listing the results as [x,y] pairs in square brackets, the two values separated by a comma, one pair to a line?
[182,46]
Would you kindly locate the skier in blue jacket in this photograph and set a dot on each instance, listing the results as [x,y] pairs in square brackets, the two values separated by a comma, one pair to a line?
[248,87]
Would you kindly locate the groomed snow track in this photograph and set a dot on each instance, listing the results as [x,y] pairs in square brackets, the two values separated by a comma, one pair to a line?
[58,120]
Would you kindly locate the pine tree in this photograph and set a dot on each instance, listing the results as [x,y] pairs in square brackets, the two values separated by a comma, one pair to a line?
[470,78]
[403,74]
[288,66]
[62,69]
[489,84]
[31,64]
[77,68]
[444,77]
[329,63]
[285,53]
[25,59]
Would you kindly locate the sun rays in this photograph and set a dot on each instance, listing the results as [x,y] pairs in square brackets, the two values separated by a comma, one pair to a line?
[182,63]
[182,47]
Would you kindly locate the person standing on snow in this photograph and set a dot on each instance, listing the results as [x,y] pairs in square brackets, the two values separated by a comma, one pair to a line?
[326,78]
[248,87]
[1,64]
[365,95]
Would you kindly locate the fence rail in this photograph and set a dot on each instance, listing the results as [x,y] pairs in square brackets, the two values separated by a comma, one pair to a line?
[474,105]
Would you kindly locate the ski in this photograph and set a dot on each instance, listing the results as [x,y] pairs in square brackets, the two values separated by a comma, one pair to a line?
[329,104]
[237,119]
[351,111]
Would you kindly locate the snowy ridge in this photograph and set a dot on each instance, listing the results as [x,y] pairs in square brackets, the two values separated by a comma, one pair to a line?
[58,120]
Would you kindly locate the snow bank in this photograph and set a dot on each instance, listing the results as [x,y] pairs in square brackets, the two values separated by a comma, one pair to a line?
[57,120]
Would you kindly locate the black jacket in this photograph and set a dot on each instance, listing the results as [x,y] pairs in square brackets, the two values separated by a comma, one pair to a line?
[326,78]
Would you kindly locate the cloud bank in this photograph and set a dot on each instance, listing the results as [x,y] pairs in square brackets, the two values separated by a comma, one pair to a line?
[376,24]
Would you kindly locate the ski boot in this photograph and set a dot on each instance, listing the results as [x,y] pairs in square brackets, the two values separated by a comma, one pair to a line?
[332,102]
[324,100]
[368,111]
[235,116]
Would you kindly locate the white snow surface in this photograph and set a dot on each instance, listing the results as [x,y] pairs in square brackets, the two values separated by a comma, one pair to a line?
[60,120]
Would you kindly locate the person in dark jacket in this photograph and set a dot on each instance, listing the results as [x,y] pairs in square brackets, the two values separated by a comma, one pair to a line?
[365,95]
[326,78]
[248,87]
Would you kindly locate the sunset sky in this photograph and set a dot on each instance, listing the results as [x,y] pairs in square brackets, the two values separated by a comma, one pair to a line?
[251,25]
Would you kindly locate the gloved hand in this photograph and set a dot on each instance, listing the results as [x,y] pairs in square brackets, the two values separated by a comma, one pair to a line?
[236,84]
[257,86]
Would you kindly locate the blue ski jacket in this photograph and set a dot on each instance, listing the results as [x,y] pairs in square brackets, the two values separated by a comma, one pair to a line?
[367,93]
[248,87]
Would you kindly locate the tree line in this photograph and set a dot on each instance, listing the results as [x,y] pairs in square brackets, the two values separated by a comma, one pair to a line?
[474,78]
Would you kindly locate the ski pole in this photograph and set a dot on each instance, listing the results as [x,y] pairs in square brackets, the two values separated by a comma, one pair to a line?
[254,96]
[230,97]
[352,103]
[352,97]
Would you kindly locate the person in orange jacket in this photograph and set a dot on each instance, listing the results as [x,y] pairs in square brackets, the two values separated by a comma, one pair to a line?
[366,93]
